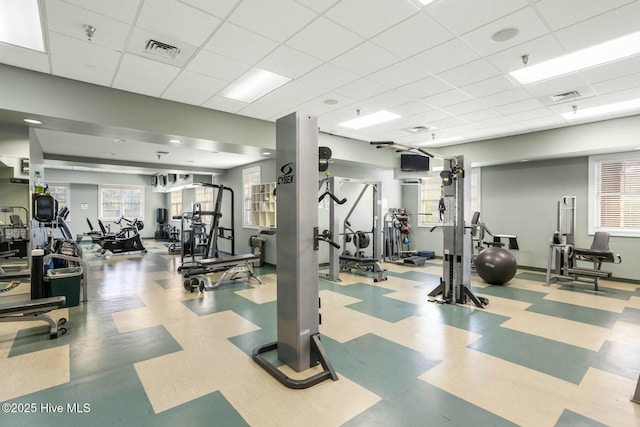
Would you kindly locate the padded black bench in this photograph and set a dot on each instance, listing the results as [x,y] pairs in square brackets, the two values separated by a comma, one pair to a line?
[233,266]
[35,310]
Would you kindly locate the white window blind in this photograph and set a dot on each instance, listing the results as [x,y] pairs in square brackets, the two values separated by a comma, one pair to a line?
[176,203]
[250,177]
[121,201]
[204,196]
[615,191]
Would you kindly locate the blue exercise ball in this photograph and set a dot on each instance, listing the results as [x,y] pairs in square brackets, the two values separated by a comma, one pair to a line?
[496,266]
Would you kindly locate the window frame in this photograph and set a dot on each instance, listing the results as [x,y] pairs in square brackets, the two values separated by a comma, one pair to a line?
[67,197]
[140,188]
[176,206]
[594,198]
[253,173]
[476,197]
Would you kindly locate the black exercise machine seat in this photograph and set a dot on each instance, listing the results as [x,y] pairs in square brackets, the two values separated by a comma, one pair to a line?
[599,251]
[34,310]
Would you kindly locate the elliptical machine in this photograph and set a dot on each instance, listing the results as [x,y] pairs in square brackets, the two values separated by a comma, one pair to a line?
[125,240]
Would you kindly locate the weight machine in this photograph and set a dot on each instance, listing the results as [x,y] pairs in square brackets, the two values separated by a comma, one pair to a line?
[396,236]
[455,285]
[298,343]
[125,240]
[360,240]
[563,255]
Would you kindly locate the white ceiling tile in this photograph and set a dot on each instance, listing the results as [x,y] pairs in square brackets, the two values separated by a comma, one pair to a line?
[365,59]
[240,44]
[412,108]
[465,107]
[368,18]
[469,73]
[140,85]
[478,116]
[24,58]
[520,106]
[78,71]
[68,19]
[193,88]
[83,52]
[462,16]
[539,50]
[324,39]
[448,122]
[412,36]
[122,10]
[444,57]
[317,106]
[525,20]
[544,123]
[136,66]
[560,14]
[220,8]
[506,97]
[177,20]
[429,117]
[614,85]
[329,77]
[384,101]
[289,62]
[293,93]
[221,103]
[488,87]
[445,99]
[218,66]
[276,19]
[361,89]
[528,115]
[613,70]
[398,74]
[602,28]
[425,87]
[318,5]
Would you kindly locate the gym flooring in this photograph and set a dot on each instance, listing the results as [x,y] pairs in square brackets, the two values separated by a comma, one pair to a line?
[144,352]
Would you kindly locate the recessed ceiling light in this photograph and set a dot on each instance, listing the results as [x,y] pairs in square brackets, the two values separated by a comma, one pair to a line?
[120,140]
[370,120]
[266,153]
[505,35]
[175,141]
[331,101]
[20,24]
[524,160]
[253,85]
[616,107]
[599,54]
[32,121]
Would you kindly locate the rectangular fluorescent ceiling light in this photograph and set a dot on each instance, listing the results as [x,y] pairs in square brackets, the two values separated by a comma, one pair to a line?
[20,24]
[370,120]
[253,85]
[617,107]
[613,50]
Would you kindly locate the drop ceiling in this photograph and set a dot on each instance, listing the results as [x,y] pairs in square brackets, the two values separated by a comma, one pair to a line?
[437,66]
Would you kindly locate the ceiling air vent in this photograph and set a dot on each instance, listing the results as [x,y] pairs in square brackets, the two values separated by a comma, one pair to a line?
[164,50]
[562,97]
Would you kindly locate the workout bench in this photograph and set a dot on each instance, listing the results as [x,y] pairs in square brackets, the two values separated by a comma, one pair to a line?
[35,310]
[233,267]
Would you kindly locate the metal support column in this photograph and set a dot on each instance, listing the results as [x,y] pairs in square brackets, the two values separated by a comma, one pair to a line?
[298,343]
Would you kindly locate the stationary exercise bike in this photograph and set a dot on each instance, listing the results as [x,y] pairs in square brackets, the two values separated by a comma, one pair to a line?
[125,240]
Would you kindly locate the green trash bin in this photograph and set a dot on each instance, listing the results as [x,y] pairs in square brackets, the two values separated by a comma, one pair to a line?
[65,282]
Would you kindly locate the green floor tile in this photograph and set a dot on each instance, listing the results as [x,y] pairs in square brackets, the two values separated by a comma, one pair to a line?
[469,319]
[563,361]
[630,315]
[603,291]
[576,313]
[572,419]
[505,291]
[98,354]
[618,358]
[534,277]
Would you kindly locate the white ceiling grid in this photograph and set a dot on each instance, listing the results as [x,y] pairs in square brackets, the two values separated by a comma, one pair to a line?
[437,66]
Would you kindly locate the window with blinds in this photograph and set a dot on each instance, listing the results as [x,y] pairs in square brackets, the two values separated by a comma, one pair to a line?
[250,177]
[117,201]
[430,193]
[614,182]
[204,196]
[176,203]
